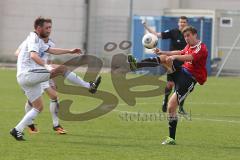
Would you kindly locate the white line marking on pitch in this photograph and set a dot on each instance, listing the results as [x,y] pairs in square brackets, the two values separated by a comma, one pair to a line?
[202,103]
[217,120]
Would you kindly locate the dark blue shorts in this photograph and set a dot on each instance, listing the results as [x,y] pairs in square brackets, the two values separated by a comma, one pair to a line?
[177,64]
[184,82]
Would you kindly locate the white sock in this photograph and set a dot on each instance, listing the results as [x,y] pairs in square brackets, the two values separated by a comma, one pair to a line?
[27,107]
[27,119]
[74,79]
[54,111]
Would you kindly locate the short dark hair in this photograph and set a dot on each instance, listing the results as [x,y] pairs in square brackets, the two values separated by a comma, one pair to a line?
[184,17]
[39,21]
[48,20]
[190,29]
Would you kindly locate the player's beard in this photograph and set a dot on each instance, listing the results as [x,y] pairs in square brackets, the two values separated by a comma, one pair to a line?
[44,35]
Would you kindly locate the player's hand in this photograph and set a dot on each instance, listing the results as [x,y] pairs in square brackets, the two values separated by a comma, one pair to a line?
[76,51]
[157,51]
[144,22]
[48,67]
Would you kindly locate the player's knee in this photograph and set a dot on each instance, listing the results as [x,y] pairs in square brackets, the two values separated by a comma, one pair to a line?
[38,104]
[62,69]
[39,108]
[52,94]
[163,58]
[53,97]
[172,106]
[30,104]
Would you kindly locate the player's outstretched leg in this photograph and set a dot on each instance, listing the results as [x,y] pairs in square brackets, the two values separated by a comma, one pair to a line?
[75,79]
[153,62]
[94,84]
[149,62]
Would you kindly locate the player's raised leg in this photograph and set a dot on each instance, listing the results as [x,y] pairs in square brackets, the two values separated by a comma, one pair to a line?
[73,78]
[150,62]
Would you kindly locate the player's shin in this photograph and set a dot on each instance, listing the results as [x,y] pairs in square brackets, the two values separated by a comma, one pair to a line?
[54,107]
[149,62]
[28,107]
[74,79]
[172,122]
[172,116]
[27,119]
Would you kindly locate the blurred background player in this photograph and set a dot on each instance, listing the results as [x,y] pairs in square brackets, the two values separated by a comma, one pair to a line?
[194,56]
[177,42]
[32,71]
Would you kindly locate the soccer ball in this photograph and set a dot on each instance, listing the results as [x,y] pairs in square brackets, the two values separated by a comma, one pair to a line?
[149,41]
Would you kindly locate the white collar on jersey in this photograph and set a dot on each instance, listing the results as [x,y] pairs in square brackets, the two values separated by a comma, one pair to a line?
[198,44]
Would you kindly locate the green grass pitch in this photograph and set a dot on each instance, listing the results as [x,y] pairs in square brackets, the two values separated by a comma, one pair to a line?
[212,134]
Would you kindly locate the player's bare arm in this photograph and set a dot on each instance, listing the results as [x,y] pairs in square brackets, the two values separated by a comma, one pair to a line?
[182,58]
[150,29]
[36,58]
[59,51]
[17,52]
[167,53]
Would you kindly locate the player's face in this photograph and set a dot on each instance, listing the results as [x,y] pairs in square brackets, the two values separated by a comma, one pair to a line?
[46,30]
[182,23]
[190,38]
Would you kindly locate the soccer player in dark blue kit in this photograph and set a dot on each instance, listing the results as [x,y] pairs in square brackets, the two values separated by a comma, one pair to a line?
[177,43]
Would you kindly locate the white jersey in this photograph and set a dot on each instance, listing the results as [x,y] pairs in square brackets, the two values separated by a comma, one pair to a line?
[32,44]
[44,55]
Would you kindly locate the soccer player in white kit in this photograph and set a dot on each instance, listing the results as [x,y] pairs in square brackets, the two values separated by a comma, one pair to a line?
[32,71]
[49,88]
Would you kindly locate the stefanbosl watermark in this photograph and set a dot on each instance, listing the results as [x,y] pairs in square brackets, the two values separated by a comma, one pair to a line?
[151,116]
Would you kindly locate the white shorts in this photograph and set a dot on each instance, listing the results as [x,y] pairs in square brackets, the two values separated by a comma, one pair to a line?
[48,84]
[31,83]
[45,85]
